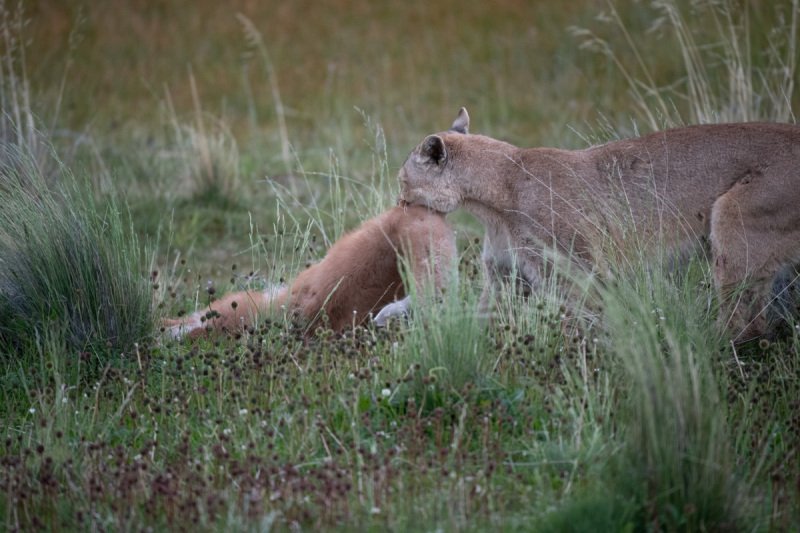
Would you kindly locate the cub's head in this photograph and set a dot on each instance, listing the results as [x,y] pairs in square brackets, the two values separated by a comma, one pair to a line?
[428,176]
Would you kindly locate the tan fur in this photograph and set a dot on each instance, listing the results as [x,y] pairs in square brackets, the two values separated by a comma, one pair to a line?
[737,184]
[358,277]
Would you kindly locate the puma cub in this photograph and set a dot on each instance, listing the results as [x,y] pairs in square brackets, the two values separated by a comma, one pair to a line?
[736,184]
[360,275]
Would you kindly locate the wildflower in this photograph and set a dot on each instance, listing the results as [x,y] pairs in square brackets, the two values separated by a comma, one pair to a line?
[386,393]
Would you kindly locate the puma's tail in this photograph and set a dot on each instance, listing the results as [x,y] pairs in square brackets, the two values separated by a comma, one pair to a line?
[232,313]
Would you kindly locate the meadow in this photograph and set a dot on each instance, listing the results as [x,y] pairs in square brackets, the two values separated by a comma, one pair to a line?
[154,155]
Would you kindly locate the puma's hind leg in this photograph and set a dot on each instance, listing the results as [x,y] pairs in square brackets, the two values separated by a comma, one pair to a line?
[754,234]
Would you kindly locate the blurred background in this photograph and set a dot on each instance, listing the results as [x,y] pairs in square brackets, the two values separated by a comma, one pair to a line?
[203,112]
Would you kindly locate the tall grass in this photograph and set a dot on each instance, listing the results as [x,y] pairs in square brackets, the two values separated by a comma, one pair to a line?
[67,264]
[203,154]
[331,200]
[678,463]
[447,346]
[727,76]
[70,269]
[18,127]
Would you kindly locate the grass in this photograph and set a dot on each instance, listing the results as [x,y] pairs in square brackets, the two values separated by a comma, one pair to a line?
[244,139]
[66,264]
[678,459]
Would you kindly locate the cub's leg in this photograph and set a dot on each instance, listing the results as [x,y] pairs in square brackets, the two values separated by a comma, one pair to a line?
[755,231]
[392,310]
[231,313]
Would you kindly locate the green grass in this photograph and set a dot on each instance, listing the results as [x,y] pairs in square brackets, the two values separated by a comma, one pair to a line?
[66,264]
[243,140]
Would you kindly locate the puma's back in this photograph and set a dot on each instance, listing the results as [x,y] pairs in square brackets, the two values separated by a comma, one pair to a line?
[677,175]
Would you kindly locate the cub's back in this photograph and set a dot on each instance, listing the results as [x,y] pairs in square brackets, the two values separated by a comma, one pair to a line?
[360,273]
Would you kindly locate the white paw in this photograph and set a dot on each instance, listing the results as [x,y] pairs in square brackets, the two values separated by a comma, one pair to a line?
[398,308]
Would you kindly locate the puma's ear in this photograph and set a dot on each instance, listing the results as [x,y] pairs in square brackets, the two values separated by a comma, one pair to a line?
[461,124]
[433,150]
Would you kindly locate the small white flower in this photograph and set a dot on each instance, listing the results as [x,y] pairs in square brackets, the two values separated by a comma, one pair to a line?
[32,410]
[386,393]
[227,431]
[242,412]
[375,510]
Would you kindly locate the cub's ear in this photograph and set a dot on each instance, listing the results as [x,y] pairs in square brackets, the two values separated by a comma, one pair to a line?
[433,150]
[461,124]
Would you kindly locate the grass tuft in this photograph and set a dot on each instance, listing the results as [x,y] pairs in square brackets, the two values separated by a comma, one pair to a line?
[447,346]
[67,264]
[677,463]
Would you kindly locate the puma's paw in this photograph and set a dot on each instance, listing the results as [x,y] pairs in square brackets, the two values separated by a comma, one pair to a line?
[398,308]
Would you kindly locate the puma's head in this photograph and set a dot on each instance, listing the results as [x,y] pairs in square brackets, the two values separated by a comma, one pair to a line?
[427,177]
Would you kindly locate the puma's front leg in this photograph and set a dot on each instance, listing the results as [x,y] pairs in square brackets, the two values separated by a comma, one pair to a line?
[495,268]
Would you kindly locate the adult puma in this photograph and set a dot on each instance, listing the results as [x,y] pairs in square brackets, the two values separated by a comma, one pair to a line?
[736,184]
[360,275]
